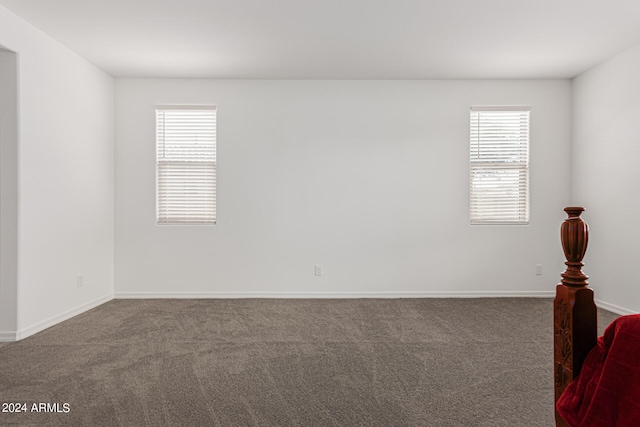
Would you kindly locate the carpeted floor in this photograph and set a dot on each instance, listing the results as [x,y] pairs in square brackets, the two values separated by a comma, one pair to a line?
[275,362]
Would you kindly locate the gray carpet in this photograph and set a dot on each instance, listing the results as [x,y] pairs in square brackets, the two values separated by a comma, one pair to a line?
[275,362]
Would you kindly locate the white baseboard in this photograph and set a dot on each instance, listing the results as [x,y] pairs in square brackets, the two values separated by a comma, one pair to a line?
[41,326]
[333,295]
[8,336]
[614,308]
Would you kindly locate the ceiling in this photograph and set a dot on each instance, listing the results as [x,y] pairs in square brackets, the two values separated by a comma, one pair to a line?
[339,39]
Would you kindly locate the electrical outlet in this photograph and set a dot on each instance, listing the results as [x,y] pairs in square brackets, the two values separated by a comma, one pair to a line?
[538,269]
[79,280]
[318,270]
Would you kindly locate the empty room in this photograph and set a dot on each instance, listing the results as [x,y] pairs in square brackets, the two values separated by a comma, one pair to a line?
[319,212]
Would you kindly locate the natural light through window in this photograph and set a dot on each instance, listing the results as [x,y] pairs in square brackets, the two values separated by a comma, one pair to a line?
[186,164]
[499,165]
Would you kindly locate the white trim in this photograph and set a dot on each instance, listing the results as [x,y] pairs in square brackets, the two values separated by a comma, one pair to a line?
[41,326]
[186,107]
[500,108]
[7,336]
[24,333]
[334,295]
[614,308]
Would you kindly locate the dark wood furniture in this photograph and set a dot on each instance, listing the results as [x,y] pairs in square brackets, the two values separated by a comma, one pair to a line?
[574,310]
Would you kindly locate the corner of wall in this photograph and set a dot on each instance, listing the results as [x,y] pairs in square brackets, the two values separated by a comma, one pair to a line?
[8,194]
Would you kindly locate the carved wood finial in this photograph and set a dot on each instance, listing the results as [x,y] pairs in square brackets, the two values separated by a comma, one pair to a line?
[574,234]
[575,313]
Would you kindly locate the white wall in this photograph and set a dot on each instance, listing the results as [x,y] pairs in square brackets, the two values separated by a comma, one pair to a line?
[606,176]
[8,194]
[367,178]
[65,178]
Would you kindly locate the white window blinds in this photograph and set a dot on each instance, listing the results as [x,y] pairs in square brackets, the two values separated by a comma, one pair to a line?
[499,170]
[186,164]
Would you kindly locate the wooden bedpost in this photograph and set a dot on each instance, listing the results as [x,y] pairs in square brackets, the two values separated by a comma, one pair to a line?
[574,311]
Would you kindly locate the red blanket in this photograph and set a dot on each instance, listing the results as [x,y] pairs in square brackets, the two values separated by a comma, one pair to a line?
[607,391]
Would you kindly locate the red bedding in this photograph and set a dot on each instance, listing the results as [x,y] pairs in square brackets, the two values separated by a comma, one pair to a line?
[607,391]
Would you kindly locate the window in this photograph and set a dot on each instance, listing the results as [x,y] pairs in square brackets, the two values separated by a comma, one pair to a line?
[186,164]
[499,170]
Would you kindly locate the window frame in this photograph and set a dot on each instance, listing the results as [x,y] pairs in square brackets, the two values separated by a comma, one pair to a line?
[187,164]
[507,204]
